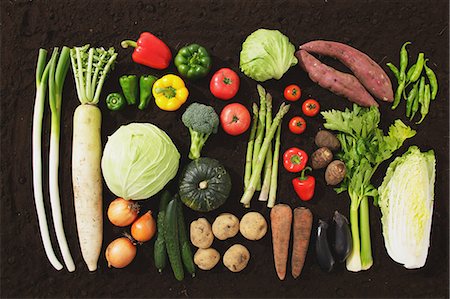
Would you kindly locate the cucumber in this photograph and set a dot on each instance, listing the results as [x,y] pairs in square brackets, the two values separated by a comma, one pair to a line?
[160,243]
[185,246]
[172,242]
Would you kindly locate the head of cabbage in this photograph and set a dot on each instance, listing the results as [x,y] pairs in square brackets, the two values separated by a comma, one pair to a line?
[266,54]
[139,159]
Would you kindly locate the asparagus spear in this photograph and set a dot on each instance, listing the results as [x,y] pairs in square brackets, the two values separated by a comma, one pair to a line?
[268,163]
[260,129]
[274,178]
[256,173]
[251,141]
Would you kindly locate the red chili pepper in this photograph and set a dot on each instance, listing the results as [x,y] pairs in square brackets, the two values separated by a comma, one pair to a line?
[294,159]
[150,51]
[304,185]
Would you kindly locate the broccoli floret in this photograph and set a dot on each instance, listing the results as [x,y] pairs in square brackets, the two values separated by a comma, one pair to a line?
[202,121]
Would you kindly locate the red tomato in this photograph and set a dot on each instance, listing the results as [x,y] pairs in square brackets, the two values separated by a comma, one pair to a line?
[297,125]
[310,107]
[235,119]
[224,84]
[292,93]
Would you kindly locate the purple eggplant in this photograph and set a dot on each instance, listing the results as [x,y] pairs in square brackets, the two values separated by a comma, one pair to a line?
[323,253]
[342,237]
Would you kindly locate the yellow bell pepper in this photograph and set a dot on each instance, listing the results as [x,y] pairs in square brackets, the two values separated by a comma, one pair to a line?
[170,92]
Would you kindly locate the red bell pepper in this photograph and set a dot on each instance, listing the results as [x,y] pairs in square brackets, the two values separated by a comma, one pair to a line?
[304,185]
[294,159]
[150,51]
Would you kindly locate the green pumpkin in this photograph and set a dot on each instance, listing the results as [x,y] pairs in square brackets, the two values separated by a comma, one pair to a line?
[204,185]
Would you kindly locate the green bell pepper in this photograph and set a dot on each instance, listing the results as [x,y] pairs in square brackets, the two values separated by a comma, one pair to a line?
[193,62]
[145,90]
[115,101]
[129,84]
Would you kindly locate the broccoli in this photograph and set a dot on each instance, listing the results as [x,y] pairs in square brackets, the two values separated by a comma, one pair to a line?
[201,120]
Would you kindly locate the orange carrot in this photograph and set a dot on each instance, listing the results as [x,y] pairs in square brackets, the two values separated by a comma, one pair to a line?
[281,220]
[303,220]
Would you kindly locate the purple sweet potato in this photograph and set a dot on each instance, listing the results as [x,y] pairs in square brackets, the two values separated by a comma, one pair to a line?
[368,72]
[340,83]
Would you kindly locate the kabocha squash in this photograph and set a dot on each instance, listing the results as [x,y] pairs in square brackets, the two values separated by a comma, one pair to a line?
[204,185]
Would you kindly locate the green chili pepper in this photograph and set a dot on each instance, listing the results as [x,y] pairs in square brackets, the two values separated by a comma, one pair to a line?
[419,98]
[418,68]
[129,84]
[115,101]
[413,93]
[398,94]
[193,62]
[403,60]
[145,90]
[394,70]
[410,72]
[433,80]
[425,105]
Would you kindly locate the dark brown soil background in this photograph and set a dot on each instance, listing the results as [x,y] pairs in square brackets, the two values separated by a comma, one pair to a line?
[378,28]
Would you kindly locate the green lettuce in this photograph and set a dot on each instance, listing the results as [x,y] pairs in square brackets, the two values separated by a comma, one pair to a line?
[267,54]
[139,159]
[406,199]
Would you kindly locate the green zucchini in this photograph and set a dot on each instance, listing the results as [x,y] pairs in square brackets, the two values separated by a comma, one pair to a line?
[172,242]
[160,243]
[185,246]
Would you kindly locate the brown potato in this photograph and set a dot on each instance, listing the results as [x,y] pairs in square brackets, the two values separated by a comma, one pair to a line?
[206,259]
[201,233]
[236,258]
[335,172]
[225,226]
[253,226]
[321,158]
[325,138]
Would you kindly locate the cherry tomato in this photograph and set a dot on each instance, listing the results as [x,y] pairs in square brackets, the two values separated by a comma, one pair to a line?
[297,125]
[294,159]
[235,119]
[292,93]
[224,84]
[310,107]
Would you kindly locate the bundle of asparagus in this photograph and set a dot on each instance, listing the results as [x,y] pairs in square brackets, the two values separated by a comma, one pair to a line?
[259,151]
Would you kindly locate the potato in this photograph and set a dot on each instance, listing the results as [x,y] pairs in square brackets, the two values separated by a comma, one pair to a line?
[325,138]
[225,226]
[253,226]
[201,233]
[335,172]
[236,258]
[321,158]
[206,259]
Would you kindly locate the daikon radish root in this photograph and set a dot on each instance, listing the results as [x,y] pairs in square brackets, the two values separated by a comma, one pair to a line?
[281,220]
[303,220]
[87,181]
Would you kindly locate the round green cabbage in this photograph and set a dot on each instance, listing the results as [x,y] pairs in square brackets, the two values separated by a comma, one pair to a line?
[267,54]
[139,159]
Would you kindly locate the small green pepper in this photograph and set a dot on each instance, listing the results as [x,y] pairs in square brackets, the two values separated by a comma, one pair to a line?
[115,101]
[413,93]
[394,70]
[398,94]
[419,98]
[403,61]
[425,105]
[433,80]
[193,62]
[129,84]
[418,67]
[145,90]
[410,72]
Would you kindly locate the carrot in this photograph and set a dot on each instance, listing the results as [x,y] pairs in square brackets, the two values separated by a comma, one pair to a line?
[303,219]
[281,220]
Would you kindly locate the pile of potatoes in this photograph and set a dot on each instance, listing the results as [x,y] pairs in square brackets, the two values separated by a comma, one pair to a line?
[252,226]
[323,157]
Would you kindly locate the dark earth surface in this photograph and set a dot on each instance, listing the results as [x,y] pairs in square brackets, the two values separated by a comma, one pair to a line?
[378,28]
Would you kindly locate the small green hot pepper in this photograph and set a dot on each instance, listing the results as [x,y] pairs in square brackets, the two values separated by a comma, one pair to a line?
[433,80]
[419,98]
[418,66]
[403,61]
[193,62]
[145,90]
[413,93]
[129,84]
[394,70]
[425,105]
[115,101]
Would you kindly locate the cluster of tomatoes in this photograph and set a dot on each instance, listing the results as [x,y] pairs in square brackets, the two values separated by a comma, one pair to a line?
[310,107]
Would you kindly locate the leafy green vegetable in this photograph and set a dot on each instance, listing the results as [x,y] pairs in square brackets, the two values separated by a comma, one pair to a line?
[364,148]
[267,54]
[139,159]
[406,201]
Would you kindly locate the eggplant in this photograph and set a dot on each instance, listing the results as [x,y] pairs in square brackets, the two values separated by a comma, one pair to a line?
[343,243]
[323,253]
